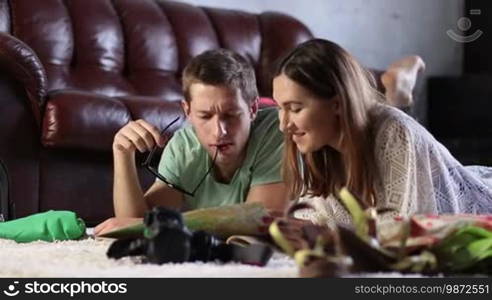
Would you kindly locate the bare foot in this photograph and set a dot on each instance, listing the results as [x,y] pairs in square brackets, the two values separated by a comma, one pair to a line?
[400,78]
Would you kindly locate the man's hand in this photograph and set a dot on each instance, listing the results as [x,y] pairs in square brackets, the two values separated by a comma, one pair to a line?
[137,135]
[115,223]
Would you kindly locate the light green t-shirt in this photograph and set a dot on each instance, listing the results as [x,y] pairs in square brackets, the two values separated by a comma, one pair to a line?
[184,162]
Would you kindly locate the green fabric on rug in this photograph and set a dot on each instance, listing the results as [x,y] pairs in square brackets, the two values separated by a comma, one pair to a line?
[47,226]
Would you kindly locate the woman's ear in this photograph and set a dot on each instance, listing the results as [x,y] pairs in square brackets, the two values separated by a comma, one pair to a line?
[337,105]
[186,107]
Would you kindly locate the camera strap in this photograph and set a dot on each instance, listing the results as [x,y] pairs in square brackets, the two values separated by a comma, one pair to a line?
[256,254]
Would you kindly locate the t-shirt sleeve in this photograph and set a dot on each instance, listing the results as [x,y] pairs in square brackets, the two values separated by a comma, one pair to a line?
[396,162]
[266,167]
[169,165]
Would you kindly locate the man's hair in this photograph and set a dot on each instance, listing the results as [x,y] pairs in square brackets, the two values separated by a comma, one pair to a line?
[224,68]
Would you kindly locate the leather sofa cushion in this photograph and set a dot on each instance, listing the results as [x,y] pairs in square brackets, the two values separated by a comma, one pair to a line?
[75,119]
[130,47]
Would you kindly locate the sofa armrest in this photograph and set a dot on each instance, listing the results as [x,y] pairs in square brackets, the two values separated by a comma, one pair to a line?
[25,66]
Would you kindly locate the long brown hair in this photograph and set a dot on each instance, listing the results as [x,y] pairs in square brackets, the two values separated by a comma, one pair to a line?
[327,70]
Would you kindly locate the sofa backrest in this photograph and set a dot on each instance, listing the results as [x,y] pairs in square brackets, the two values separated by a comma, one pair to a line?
[140,47]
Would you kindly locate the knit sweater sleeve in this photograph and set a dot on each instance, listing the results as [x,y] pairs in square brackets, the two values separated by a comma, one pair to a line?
[395,157]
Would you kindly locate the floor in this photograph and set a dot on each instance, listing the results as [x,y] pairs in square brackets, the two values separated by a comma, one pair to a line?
[87,258]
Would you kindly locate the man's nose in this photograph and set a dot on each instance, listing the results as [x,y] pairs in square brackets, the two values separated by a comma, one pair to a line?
[221,128]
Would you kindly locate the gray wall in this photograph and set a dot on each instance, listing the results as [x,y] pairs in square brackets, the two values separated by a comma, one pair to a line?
[378,32]
[375,31]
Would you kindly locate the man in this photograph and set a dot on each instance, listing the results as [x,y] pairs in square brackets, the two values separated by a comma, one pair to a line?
[225,129]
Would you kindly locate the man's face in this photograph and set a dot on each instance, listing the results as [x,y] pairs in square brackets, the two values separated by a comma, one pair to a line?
[221,119]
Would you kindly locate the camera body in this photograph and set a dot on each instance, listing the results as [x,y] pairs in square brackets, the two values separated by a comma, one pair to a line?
[168,240]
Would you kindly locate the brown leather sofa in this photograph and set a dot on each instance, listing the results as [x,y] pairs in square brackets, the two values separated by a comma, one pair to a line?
[73,72]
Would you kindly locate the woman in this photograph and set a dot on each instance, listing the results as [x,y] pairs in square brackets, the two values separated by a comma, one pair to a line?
[339,133]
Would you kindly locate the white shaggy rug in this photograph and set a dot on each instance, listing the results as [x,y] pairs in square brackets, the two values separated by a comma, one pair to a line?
[87,258]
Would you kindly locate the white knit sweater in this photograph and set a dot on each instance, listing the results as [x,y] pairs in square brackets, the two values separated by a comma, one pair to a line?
[417,175]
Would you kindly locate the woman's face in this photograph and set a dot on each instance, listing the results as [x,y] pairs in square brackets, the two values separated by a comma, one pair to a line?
[310,121]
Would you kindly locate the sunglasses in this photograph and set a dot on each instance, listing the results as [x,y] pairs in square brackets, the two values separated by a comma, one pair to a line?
[148,166]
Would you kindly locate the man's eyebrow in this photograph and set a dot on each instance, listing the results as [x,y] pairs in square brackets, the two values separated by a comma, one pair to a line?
[203,111]
[232,110]
[289,102]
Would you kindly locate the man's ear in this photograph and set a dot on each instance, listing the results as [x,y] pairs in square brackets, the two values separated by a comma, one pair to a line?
[253,109]
[186,107]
